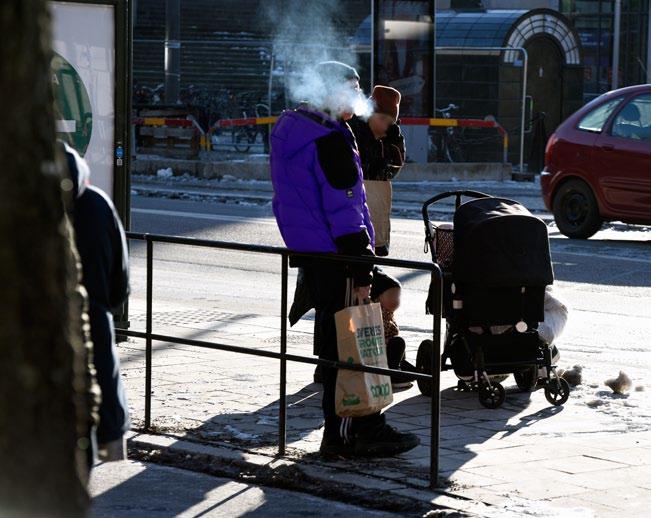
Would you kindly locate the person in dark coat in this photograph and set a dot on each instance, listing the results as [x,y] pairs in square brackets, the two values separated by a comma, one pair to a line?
[102,248]
[320,206]
[382,152]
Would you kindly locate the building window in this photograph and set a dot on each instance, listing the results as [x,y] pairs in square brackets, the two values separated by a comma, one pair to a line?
[593,20]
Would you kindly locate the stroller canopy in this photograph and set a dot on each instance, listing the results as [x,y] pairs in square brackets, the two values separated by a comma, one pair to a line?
[498,242]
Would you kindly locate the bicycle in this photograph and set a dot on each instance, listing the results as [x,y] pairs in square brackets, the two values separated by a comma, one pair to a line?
[243,137]
[445,146]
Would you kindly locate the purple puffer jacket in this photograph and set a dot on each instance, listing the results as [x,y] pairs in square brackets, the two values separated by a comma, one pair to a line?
[319,198]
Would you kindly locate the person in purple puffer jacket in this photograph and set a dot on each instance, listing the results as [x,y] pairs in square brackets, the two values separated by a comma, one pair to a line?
[320,206]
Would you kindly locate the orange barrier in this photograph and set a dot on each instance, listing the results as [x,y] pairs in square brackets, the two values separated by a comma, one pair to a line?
[160,122]
[405,121]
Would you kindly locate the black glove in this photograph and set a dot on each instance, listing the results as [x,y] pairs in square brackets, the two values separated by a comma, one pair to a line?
[393,133]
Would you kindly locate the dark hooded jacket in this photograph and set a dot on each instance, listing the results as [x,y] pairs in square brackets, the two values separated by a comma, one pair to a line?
[101,243]
[382,158]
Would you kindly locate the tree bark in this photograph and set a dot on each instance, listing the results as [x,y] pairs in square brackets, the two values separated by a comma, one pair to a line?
[43,408]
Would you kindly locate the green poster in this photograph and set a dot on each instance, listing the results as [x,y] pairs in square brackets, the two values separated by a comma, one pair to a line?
[72,104]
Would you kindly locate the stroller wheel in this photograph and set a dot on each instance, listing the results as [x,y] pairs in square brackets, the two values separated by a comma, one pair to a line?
[491,396]
[424,366]
[463,386]
[527,379]
[557,391]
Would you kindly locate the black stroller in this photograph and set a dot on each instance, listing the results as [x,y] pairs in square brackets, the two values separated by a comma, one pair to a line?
[496,264]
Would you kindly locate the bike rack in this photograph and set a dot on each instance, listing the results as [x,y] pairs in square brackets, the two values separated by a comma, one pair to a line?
[462,123]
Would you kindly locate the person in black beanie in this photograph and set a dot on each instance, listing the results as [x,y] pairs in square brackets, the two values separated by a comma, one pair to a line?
[320,206]
[386,290]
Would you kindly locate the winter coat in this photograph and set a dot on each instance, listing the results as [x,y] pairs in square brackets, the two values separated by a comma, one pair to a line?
[101,243]
[382,158]
[102,248]
[319,198]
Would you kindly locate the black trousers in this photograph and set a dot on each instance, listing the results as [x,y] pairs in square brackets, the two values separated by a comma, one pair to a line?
[327,285]
[395,352]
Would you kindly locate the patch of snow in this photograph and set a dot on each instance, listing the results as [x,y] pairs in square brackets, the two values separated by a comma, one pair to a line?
[237,434]
[267,421]
[519,508]
[165,173]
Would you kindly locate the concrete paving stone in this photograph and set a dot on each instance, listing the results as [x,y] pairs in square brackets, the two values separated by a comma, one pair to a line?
[580,464]
[505,457]
[576,502]
[415,422]
[517,472]
[629,456]
[469,433]
[440,498]
[594,480]
[496,495]
[452,463]
[354,479]
[472,480]
[545,489]
[624,499]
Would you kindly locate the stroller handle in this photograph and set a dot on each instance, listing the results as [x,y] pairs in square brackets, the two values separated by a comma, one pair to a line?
[449,194]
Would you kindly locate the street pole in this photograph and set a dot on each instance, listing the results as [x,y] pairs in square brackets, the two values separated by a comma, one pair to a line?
[172,51]
[434,77]
[648,47]
[373,40]
[525,63]
[616,39]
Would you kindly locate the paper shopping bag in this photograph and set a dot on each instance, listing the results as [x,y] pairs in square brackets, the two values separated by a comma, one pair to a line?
[378,199]
[360,340]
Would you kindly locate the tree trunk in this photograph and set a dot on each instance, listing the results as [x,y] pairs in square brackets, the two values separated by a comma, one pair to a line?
[43,411]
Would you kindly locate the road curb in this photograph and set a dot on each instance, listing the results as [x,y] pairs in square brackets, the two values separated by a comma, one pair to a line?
[263,197]
[306,476]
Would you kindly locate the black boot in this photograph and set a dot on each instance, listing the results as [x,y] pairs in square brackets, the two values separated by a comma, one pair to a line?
[332,445]
[383,440]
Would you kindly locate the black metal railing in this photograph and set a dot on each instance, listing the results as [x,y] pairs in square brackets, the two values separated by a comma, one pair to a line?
[149,336]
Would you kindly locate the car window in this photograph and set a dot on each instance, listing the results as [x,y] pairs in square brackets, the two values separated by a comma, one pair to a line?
[634,121]
[596,119]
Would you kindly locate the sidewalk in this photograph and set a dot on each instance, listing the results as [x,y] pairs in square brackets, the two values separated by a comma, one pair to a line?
[526,457]
[135,489]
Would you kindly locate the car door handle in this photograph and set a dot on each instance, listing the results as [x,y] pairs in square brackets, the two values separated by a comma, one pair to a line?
[607,147]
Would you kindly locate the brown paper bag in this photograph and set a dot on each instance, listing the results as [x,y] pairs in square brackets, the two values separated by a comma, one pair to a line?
[360,340]
[378,199]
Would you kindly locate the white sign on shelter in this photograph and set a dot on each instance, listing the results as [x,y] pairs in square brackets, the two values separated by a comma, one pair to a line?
[83,76]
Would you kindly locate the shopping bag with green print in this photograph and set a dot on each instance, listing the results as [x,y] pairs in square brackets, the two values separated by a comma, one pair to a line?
[360,340]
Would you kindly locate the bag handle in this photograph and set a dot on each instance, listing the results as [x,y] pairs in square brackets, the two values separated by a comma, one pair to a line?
[350,295]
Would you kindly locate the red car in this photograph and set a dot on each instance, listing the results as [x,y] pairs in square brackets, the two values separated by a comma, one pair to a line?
[598,164]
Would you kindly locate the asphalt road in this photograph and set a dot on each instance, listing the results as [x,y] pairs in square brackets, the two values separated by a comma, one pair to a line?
[606,280]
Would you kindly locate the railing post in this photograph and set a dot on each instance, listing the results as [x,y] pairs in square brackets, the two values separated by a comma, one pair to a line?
[148,348]
[282,413]
[436,381]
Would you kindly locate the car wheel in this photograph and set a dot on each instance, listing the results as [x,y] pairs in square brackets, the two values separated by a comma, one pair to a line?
[576,211]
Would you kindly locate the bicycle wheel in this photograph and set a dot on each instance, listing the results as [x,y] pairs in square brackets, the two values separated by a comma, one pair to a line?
[241,140]
[454,149]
